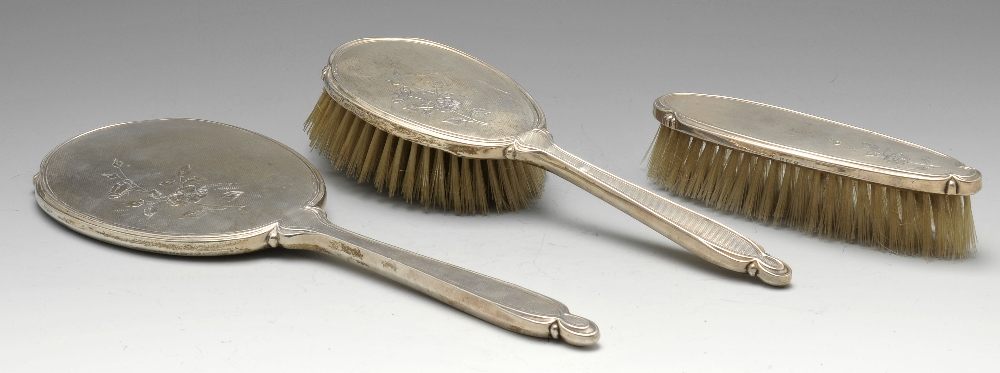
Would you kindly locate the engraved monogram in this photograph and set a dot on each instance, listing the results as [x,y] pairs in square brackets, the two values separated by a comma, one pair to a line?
[437,99]
[891,156]
[189,192]
[886,154]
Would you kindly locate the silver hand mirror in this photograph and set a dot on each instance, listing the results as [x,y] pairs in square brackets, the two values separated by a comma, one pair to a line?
[193,187]
[437,96]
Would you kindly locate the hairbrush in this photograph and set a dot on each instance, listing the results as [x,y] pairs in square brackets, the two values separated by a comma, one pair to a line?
[445,129]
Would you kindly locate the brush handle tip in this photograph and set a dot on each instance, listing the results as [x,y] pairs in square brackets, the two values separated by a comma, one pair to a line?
[701,235]
[770,273]
[575,330]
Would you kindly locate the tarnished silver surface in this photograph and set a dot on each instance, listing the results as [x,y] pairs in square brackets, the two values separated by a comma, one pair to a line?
[457,103]
[440,97]
[816,143]
[167,186]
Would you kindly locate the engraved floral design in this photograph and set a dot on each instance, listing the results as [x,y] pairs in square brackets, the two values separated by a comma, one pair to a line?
[189,192]
[439,100]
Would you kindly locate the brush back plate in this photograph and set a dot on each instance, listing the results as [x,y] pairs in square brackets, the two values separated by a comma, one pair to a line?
[431,94]
[816,143]
[176,186]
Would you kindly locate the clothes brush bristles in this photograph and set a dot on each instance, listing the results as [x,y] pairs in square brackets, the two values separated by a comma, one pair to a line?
[818,203]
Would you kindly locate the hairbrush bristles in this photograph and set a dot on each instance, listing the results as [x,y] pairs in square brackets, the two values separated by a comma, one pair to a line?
[432,177]
[819,203]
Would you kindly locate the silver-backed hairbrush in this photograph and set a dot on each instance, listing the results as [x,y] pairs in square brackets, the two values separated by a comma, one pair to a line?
[440,126]
[822,177]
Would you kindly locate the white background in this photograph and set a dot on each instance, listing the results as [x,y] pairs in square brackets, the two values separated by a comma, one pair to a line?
[927,74]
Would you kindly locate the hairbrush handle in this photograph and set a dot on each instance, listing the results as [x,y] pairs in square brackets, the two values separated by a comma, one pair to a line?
[699,234]
[500,303]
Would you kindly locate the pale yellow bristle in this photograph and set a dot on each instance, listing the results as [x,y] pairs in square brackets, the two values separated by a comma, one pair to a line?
[410,176]
[455,184]
[507,185]
[713,169]
[686,174]
[754,187]
[781,204]
[768,192]
[735,195]
[896,222]
[372,156]
[438,196]
[359,153]
[716,177]
[397,166]
[679,143]
[423,189]
[802,183]
[336,150]
[825,204]
[863,224]
[816,202]
[493,179]
[424,175]
[479,182]
[880,217]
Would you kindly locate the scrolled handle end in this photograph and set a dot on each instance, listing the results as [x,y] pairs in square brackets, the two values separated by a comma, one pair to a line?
[770,270]
[575,330]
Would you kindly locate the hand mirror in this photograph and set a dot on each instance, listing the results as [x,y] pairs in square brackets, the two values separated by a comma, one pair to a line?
[194,187]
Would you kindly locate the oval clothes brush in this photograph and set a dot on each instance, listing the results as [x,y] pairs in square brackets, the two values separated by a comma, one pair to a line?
[822,177]
[444,128]
[166,186]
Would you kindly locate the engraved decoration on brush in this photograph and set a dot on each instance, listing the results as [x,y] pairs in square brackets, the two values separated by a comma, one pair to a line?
[442,98]
[822,177]
[816,143]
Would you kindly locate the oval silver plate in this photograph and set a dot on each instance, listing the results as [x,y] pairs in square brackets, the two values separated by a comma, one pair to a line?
[431,93]
[816,143]
[176,186]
